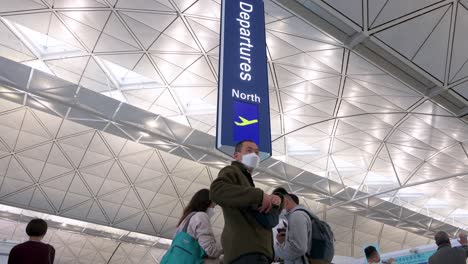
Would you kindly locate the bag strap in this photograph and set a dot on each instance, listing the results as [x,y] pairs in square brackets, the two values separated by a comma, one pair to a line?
[313,218]
[189,217]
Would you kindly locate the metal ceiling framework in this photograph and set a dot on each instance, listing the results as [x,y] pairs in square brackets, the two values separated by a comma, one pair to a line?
[79,177]
[348,133]
[384,31]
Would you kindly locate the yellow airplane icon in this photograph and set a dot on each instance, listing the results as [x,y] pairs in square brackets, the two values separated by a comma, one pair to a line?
[245,122]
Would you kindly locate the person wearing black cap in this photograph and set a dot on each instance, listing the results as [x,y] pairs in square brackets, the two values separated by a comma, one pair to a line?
[293,244]
[33,251]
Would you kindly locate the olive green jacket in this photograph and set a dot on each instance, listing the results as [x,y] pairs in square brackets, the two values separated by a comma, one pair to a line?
[235,192]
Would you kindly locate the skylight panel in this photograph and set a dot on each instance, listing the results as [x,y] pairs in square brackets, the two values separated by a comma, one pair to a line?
[126,77]
[44,44]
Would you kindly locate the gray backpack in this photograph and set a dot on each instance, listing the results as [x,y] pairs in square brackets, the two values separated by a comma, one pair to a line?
[322,239]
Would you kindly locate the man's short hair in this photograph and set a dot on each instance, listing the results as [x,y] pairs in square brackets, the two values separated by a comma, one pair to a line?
[441,237]
[294,198]
[370,251]
[36,228]
[282,191]
[238,147]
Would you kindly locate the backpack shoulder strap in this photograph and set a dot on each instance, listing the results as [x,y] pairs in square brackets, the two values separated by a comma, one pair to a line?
[313,218]
[189,217]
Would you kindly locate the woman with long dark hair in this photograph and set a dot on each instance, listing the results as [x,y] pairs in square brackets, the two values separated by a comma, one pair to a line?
[198,213]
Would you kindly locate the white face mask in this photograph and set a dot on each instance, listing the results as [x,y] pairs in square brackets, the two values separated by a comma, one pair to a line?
[210,211]
[251,160]
[283,212]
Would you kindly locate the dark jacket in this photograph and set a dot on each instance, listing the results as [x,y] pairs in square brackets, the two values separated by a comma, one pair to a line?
[235,192]
[32,252]
[447,255]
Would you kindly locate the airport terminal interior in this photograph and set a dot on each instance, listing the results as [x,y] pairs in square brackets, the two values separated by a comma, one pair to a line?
[108,120]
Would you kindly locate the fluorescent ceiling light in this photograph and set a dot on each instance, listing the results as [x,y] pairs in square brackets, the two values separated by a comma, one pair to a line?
[344,166]
[200,107]
[435,203]
[401,194]
[303,150]
[459,213]
[297,147]
[375,179]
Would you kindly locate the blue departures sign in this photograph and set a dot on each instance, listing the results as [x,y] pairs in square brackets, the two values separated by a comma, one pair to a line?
[243,100]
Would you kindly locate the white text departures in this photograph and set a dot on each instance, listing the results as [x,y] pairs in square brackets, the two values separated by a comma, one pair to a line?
[245,42]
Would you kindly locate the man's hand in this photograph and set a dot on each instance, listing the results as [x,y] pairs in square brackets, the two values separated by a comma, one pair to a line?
[275,200]
[463,239]
[280,237]
[266,204]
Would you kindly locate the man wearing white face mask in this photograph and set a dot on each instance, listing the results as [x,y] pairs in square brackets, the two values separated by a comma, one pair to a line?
[244,239]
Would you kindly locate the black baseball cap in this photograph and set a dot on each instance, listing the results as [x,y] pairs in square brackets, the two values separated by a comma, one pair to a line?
[282,191]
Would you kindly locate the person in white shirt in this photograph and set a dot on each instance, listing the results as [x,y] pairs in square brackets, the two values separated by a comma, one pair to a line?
[199,211]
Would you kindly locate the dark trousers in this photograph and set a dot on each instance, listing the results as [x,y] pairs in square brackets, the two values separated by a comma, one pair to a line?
[252,259]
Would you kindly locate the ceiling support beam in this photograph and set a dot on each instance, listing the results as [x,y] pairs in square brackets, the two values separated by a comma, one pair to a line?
[353,235]
[448,61]
[463,112]
[462,174]
[415,170]
[356,39]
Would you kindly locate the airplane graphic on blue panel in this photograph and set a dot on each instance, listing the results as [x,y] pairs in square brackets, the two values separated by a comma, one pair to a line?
[245,121]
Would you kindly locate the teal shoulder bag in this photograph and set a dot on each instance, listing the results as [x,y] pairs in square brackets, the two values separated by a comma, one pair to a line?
[184,248]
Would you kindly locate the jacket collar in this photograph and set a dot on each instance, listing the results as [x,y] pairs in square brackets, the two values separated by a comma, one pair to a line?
[244,170]
[443,246]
